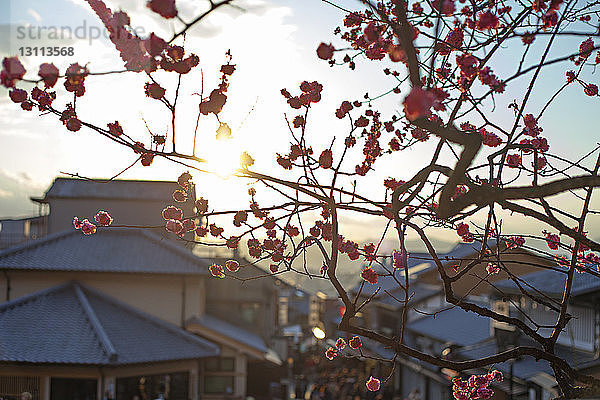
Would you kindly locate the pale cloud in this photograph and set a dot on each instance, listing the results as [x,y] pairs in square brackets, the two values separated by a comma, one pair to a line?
[15,192]
[5,193]
[81,3]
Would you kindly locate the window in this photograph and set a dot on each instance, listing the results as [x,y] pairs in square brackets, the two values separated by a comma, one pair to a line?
[249,312]
[283,311]
[219,374]
[218,384]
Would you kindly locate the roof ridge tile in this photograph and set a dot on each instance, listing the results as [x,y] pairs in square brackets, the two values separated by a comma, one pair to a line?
[103,338]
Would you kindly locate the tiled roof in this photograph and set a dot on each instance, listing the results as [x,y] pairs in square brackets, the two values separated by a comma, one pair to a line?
[108,250]
[417,264]
[114,189]
[74,324]
[454,325]
[552,283]
[231,331]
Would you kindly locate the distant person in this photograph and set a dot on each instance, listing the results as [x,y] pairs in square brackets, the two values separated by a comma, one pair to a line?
[26,396]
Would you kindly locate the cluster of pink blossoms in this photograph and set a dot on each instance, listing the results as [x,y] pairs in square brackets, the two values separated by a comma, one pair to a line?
[373,384]
[514,242]
[143,54]
[102,218]
[174,221]
[476,387]
[340,344]
[13,71]
[585,259]
[311,93]
[369,275]
[462,230]
[454,40]
[399,259]
[218,271]
[585,50]
[487,138]
[531,128]
[374,40]
[393,184]
[469,70]
[492,268]
[552,240]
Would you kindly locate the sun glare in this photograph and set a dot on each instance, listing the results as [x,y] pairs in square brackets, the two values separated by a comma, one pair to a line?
[222,157]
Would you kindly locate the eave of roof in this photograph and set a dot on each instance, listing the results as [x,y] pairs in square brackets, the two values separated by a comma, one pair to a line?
[228,331]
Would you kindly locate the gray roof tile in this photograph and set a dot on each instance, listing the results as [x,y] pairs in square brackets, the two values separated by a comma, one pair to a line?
[74,324]
[552,283]
[108,250]
[454,325]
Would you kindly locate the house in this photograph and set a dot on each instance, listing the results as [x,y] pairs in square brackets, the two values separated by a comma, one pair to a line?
[130,202]
[435,327]
[152,276]
[425,290]
[140,273]
[460,335]
[583,330]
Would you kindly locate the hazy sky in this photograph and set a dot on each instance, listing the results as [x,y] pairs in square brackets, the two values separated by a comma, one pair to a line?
[273,43]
